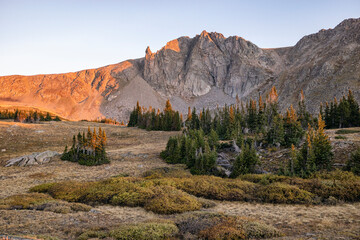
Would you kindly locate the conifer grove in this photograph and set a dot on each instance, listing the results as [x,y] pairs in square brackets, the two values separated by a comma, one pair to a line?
[150,119]
[251,126]
[87,149]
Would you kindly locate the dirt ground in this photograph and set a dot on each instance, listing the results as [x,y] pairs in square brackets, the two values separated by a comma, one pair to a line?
[133,151]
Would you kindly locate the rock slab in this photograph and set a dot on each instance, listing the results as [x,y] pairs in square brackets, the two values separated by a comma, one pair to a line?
[32,159]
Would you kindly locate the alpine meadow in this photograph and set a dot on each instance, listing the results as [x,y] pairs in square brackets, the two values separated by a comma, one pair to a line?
[210,137]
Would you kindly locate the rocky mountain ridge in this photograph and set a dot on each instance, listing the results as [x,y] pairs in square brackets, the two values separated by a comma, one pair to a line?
[204,71]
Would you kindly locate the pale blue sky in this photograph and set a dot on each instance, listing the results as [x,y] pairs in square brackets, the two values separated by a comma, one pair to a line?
[62,36]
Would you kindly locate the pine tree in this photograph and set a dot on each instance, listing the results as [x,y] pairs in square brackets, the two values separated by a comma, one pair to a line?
[322,147]
[89,138]
[213,139]
[261,118]
[275,135]
[195,122]
[292,128]
[353,164]
[305,161]
[252,116]
[354,120]
[245,162]
[48,117]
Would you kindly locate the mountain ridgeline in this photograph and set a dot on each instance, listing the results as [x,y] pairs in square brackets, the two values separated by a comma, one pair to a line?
[203,72]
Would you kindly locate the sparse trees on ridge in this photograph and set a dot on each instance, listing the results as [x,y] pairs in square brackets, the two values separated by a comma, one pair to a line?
[27,116]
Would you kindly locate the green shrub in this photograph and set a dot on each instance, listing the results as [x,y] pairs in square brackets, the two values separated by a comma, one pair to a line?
[346,131]
[336,175]
[353,164]
[24,201]
[342,190]
[169,200]
[42,188]
[90,234]
[153,231]
[216,188]
[79,207]
[166,172]
[219,226]
[228,229]
[283,193]
[133,198]
[340,137]
[255,229]
[123,191]
[41,202]
[264,178]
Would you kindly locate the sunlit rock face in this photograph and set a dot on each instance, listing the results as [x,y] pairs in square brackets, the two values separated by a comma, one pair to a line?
[190,67]
[202,71]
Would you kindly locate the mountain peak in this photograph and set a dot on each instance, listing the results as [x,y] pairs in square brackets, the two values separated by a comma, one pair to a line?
[148,50]
[202,71]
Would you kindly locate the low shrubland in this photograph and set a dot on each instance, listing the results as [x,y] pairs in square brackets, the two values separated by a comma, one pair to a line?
[154,195]
[169,195]
[42,202]
[219,226]
[190,226]
[150,230]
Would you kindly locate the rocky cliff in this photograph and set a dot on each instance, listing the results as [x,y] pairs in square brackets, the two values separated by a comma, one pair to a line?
[202,71]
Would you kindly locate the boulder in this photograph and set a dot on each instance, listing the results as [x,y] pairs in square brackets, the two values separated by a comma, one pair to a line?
[32,159]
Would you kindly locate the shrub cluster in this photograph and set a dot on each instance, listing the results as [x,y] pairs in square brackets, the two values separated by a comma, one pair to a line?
[219,226]
[87,149]
[149,230]
[42,202]
[124,191]
[190,226]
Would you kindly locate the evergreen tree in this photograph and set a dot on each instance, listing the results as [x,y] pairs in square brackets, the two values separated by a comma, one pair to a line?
[353,164]
[261,117]
[48,117]
[354,119]
[275,135]
[322,147]
[245,162]
[305,161]
[292,128]
[252,116]
[195,122]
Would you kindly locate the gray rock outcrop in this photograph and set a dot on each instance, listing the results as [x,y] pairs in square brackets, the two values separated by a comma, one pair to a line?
[32,159]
